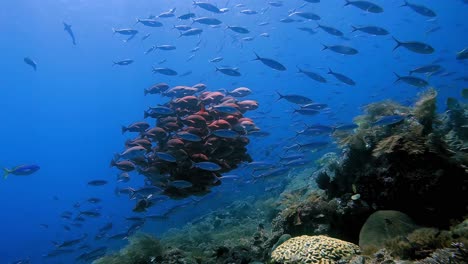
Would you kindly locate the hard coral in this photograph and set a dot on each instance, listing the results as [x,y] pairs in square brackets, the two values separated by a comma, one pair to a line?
[314,249]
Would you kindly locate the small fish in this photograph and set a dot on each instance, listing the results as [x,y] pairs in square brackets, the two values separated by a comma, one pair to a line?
[414,46]
[165,71]
[420,9]
[341,49]
[208,166]
[90,213]
[225,109]
[21,170]
[237,29]
[207,6]
[373,30]
[167,14]
[306,111]
[315,106]
[229,71]
[124,165]
[248,12]
[141,206]
[346,127]
[145,36]
[225,133]
[191,32]
[388,120]
[411,80]
[207,21]
[342,78]
[426,69]
[68,29]
[180,184]
[182,27]
[306,15]
[120,236]
[217,59]
[287,20]
[123,62]
[312,75]
[151,49]
[271,63]
[186,16]
[276,3]
[94,200]
[463,54]
[31,63]
[125,31]
[97,182]
[123,177]
[365,5]
[149,22]
[165,157]
[331,30]
[296,99]
[189,137]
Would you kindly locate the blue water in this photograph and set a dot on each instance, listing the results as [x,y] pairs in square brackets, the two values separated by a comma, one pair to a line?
[66,116]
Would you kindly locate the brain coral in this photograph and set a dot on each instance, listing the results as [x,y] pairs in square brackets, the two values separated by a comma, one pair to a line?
[313,249]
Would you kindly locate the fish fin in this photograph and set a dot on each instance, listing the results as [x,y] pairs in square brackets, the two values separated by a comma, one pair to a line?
[398,77]
[398,43]
[324,47]
[6,172]
[257,57]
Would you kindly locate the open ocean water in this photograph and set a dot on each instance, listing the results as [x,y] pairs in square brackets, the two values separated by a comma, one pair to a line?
[74,72]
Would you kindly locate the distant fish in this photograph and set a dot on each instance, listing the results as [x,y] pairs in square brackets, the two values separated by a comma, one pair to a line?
[411,80]
[191,32]
[123,62]
[165,71]
[463,54]
[271,63]
[341,49]
[207,6]
[312,75]
[294,98]
[276,3]
[249,12]
[186,16]
[225,133]
[125,31]
[208,166]
[237,29]
[182,27]
[181,184]
[373,30]
[97,182]
[31,63]
[308,30]
[146,36]
[229,71]
[306,111]
[341,77]
[414,46]
[21,170]
[426,69]
[306,15]
[420,9]
[207,21]
[217,59]
[149,22]
[68,29]
[166,47]
[388,120]
[167,14]
[365,5]
[330,30]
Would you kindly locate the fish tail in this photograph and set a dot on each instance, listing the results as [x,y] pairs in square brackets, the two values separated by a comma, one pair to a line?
[324,47]
[298,69]
[124,128]
[145,114]
[280,96]
[354,28]
[217,69]
[347,2]
[145,91]
[112,163]
[405,4]
[398,77]
[6,172]
[329,71]
[398,43]
[137,21]
[113,31]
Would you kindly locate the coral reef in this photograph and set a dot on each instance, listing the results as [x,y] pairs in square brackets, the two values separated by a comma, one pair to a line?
[410,166]
[142,249]
[383,226]
[314,250]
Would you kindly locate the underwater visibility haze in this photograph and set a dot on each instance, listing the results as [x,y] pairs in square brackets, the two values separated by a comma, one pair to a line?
[234,131]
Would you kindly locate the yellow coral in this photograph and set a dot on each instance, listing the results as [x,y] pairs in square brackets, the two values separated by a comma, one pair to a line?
[314,250]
